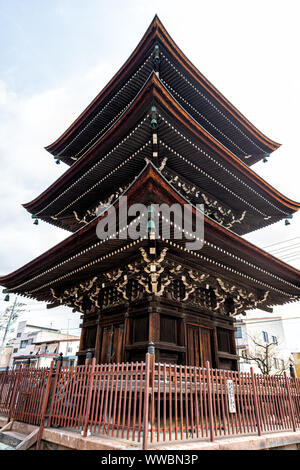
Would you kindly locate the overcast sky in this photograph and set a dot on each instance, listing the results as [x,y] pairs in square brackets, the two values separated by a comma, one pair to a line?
[57,55]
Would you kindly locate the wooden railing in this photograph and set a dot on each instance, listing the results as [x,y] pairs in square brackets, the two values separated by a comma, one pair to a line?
[149,402]
[22,392]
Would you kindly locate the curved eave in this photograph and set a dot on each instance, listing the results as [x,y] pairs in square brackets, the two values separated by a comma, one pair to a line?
[228,156]
[118,78]
[151,182]
[154,89]
[157,31]
[125,121]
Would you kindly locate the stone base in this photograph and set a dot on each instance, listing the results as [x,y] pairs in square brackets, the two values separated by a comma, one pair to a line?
[54,439]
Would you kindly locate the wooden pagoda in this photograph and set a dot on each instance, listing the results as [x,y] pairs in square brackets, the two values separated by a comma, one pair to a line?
[160,132]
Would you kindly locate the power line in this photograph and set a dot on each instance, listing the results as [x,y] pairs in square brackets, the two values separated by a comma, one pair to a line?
[290,253]
[78,328]
[279,243]
[292,258]
[287,255]
[289,247]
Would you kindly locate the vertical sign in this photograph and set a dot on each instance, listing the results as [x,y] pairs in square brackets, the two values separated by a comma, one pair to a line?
[231,400]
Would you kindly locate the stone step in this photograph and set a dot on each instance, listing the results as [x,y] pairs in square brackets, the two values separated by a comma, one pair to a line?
[5,447]
[11,438]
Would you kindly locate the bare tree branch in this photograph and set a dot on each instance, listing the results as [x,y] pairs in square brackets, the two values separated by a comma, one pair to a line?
[266,358]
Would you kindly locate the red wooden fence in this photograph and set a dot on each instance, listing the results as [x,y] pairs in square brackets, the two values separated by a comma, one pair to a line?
[22,392]
[151,403]
[105,399]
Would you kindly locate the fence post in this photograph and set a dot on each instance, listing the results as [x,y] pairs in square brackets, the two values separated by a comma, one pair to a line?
[210,403]
[56,369]
[256,407]
[291,407]
[44,406]
[146,402]
[4,378]
[89,398]
[18,373]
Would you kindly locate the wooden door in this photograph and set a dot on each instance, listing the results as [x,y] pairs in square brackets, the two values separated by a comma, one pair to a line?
[112,343]
[117,343]
[199,343]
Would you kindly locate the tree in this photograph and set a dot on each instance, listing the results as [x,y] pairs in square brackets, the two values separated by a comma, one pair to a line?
[265,356]
[8,318]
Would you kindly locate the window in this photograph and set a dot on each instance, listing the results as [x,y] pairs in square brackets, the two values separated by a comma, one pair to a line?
[265,336]
[15,350]
[244,356]
[276,363]
[238,333]
[274,339]
[18,335]
[23,344]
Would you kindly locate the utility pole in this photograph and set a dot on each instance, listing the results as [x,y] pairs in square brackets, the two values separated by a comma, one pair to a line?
[8,323]
[67,353]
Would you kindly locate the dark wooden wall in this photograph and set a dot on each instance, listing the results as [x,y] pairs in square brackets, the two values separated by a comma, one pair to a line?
[181,333]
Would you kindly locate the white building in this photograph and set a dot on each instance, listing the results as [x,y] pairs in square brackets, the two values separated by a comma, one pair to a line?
[38,345]
[5,355]
[46,350]
[253,335]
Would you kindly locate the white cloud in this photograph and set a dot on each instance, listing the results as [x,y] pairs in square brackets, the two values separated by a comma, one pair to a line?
[27,125]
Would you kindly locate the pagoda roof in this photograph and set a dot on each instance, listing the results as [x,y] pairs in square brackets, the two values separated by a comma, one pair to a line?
[125,145]
[207,105]
[83,255]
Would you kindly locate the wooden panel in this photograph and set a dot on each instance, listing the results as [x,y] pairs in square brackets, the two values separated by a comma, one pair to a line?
[141,329]
[224,340]
[112,343]
[90,337]
[168,329]
[98,343]
[206,350]
[118,338]
[106,344]
[199,343]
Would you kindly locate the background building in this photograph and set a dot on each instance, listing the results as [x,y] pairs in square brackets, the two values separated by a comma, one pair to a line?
[46,350]
[5,354]
[39,345]
[256,336]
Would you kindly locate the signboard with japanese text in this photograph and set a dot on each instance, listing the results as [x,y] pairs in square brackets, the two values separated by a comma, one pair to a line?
[231,400]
